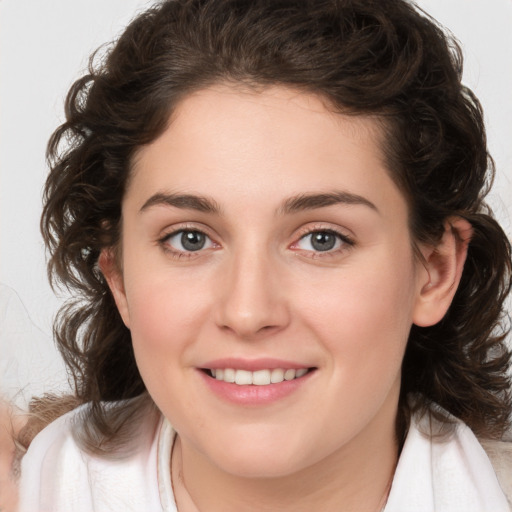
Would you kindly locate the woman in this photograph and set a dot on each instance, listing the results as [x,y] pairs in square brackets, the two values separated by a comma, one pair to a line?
[273,213]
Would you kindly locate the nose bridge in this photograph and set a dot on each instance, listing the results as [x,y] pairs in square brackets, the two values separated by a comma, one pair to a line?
[252,301]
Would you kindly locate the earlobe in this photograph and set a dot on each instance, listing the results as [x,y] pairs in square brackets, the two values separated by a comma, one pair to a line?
[114,277]
[443,264]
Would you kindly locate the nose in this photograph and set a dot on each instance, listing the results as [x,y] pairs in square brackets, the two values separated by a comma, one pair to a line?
[252,300]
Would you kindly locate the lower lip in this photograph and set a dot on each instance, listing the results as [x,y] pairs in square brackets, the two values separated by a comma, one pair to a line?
[252,395]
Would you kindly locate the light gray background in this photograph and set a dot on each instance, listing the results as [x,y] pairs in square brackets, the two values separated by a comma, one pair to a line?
[44,46]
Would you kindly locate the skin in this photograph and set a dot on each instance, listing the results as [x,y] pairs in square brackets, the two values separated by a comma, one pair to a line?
[260,289]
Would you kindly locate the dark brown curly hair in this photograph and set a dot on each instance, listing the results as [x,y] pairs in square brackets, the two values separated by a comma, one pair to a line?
[384,58]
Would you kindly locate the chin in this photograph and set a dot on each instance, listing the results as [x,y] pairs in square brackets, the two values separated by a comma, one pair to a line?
[260,455]
[268,467]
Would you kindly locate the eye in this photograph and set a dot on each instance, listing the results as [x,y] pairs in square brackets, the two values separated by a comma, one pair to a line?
[322,241]
[187,240]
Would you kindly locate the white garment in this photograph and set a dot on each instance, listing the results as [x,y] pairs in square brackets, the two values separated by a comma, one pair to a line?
[57,476]
[451,474]
[433,475]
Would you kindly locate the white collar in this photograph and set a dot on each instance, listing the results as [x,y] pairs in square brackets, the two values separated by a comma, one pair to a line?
[444,474]
[166,439]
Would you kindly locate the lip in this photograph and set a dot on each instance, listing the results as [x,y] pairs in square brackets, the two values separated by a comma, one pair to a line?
[253,395]
[253,365]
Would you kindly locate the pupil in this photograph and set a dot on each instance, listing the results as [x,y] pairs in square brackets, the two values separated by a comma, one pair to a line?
[323,241]
[192,240]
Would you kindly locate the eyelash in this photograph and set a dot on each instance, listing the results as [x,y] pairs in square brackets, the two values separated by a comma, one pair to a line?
[179,254]
[345,242]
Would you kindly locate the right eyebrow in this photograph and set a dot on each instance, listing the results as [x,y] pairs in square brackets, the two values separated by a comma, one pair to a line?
[183,201]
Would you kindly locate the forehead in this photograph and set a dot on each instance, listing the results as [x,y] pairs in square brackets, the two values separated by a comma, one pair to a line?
[262,144]
[208,114]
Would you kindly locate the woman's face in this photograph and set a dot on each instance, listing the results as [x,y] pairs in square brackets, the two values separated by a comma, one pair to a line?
[262,238]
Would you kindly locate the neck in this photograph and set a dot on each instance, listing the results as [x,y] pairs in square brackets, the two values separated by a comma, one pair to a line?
[357,477]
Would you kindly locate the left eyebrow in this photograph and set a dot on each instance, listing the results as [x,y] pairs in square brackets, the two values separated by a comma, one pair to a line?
[303,202]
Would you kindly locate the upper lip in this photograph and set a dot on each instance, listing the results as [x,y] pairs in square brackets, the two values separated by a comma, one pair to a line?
[253,365]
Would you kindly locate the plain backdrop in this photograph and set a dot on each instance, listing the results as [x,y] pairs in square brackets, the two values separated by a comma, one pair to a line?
[44,47]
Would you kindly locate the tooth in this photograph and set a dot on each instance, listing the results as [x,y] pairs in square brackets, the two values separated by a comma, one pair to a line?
[229,375]
[289,374]
[261,377]
[277,375]
[243,377]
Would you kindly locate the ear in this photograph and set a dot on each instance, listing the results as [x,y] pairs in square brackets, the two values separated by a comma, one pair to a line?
[109,267]
[443,264]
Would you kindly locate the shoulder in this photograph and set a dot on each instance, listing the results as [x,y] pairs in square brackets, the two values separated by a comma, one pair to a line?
[451,467]
[500,455]
[54,440]
[58,474]
[53,458]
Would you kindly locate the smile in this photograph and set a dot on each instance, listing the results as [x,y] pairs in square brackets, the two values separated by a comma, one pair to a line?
[257,378]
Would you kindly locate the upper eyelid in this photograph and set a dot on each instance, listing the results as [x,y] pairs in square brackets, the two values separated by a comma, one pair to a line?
[316,227]
[345,233]
[174,229]
[345,240]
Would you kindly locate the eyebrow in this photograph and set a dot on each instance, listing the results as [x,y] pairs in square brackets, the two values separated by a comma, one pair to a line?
[183,201]
[303,202]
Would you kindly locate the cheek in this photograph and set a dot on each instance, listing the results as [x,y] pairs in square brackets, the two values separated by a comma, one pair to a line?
[164,315]
[364,316]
